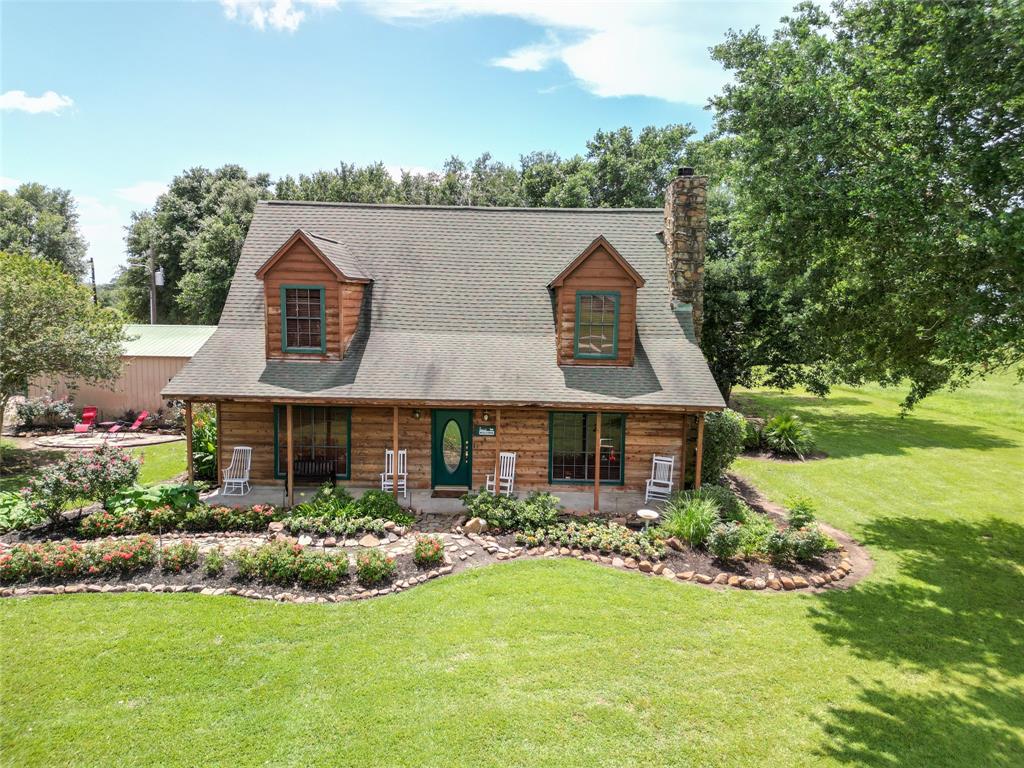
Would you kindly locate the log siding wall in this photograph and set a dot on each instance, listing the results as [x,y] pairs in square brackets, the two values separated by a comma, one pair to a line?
[600,272]
[524,431]
[342,302]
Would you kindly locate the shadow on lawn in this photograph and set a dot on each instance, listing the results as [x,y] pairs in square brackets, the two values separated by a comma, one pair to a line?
[863,434]
[959,612]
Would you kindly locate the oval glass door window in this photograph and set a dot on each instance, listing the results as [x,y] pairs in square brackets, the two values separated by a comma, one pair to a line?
[451,445]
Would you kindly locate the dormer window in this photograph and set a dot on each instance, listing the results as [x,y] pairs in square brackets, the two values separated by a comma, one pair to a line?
[597,325]
[595,298]
[303,321]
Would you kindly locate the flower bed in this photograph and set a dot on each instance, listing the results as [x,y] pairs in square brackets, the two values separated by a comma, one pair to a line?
[199,518]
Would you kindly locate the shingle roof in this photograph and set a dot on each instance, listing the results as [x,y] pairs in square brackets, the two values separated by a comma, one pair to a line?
[458,311]
[339,255]
[166,340]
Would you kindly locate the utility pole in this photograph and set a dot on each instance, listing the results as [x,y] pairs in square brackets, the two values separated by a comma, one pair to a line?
[152,286]
[92,266]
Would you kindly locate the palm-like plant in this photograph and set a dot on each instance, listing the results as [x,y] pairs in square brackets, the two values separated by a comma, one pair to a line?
[787,434]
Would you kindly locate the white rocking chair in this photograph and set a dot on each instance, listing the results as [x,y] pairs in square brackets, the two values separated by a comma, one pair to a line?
[387,476]
[659,486]
[506,474]
[236,476]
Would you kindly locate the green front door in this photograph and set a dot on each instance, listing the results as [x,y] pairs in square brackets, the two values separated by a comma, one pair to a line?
[451,448]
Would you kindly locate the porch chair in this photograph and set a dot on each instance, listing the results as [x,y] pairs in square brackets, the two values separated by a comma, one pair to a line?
[116,430]
[659,486]
[88,420]
[236,476]
[506,474]
[387,476]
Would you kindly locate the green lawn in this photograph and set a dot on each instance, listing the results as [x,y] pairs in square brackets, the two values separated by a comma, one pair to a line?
[161,463]
[563,663]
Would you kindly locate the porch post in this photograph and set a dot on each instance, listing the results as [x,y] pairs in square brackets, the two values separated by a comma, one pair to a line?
[700,449]
[188,441]
[291,455]
[597,464]
[686,440]
[497,451]
[394,447]
[220,472]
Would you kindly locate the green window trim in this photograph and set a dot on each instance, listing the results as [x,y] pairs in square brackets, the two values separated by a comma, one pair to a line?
[323,320]
[280,426]
[587,415]
[580,295]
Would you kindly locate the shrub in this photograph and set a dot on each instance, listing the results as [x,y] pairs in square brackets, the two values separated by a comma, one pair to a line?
[273,563]
[204,442]
[178,557]
[175,495]
[724,540]
[318,570]
[329,501]
[39,411]
[374,567]
[754,533]
[213,565]
[428,550]
[728,505]
[689,519]
[723,441]
[808,544]
[789,436]
[63,560]
[507,513]
[778,546]
[16,514]
[380,505]
[597,536]
[121,556]
[801,511]
[753,433]
[20,563]
[97,474]
[103,523]
[340,526]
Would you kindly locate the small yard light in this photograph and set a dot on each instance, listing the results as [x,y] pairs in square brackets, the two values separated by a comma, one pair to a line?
[416,413]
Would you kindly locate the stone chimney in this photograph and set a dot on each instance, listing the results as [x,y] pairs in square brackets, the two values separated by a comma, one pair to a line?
[686,226]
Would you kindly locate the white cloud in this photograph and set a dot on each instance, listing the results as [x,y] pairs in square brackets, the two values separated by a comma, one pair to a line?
[277,14]
[530,58]
[9,184]
[102,225]
[395,171]
[143,194]
[19,101]
[654,48]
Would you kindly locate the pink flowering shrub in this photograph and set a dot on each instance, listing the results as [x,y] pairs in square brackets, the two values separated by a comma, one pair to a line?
[65,560]
[82,475]
[428,550]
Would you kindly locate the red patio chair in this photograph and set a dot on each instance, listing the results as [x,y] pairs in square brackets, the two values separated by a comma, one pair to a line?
[88,417]
[133,428]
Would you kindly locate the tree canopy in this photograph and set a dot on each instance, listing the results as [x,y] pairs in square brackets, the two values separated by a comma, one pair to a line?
[42,222]
[197,227]
[49,327]
[877,171]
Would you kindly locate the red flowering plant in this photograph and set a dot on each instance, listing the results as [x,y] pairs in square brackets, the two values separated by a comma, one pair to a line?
[176,558]
[318,570]
[428,550]
[121,555]
[62,560]
[374,567]
[20,563]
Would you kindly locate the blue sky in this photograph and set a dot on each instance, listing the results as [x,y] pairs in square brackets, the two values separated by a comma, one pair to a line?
[110,100]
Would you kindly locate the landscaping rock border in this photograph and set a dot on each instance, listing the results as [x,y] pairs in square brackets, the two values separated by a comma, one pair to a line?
[462,550]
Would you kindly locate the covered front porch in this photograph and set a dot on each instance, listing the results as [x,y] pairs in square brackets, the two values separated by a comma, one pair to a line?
[615,503]
[595,460]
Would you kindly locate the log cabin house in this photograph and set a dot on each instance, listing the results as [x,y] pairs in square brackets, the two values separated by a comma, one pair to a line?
[569,336]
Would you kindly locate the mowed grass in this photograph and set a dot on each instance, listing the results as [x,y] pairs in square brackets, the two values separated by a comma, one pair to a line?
[160,463]
[563,663]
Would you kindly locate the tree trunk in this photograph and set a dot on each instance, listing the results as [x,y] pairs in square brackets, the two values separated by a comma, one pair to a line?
[3,408]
